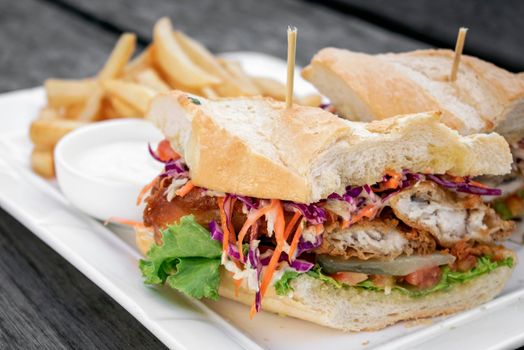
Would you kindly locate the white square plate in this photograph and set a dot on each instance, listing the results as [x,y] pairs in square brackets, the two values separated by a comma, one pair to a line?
[180,322]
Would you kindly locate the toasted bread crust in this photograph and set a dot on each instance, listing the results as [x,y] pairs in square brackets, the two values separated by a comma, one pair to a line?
[370,87]
[257,147]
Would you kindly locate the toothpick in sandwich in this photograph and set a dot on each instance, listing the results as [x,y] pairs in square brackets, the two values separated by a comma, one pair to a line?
[459,46]
[291,49]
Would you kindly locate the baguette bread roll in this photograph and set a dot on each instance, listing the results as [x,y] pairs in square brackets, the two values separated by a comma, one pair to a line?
[353,309]
[257,147]
[365,87]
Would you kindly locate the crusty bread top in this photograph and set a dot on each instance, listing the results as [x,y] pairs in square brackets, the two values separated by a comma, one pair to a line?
[368,87]
[257,147]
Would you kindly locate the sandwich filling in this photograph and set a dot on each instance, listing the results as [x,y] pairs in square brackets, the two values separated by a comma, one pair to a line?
[511,204]
[410,233]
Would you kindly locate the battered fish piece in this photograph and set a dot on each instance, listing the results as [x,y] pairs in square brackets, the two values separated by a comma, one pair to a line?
[379,238]
[448,216]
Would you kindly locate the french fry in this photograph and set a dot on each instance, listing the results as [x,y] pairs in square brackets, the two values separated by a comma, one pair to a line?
[49,113]
[73,112]
[45,132]
[141,62]
[173,60]
[91,109]
[270,87]
[42,162]
[119,57]
[150,78]
[312,100]
[122,109]
[64,93]
[107,111]
[137,96]
[237,73]
[200,55]
[207,61]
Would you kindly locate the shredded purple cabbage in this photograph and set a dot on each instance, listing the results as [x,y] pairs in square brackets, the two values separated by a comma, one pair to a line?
[153,154]
[311,212]
[465,187]
[175,168]
[298,264]
[251,203]
[301,265]
[349,195]
[218,235]
[306,246]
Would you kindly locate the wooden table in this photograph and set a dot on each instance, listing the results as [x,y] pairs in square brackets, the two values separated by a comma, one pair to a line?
[45,302]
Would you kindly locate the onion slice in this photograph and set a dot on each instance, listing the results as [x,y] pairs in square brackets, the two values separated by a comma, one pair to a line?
[401,266]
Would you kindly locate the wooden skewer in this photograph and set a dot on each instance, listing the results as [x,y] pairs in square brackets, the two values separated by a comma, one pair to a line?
[291,49]
[459,46]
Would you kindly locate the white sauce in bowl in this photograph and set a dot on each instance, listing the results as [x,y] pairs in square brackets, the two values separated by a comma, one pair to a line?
[122,161]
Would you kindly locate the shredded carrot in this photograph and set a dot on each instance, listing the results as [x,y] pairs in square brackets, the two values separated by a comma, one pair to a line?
[270,270]
[182,191]
[392,183]
[165,152]
[252,217]
[294,242]
[368,211]
[238,283]
[456,178]
[223,223]
[144,190]
[345,224]
[136,224]
[319,228]
[478,184]
[279,235]
[291,224]
[253,311]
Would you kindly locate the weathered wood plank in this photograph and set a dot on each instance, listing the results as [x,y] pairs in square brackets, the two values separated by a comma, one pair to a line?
[496,27]
[250,25]
[46,303]
[41,41]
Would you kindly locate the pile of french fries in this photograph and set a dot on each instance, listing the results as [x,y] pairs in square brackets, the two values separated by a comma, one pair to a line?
[124,87]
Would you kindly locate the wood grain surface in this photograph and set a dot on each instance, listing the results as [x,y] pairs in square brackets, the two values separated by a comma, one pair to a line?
[496,28]
[46,303]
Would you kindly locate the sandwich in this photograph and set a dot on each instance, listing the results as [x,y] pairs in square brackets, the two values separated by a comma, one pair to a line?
[296,211]
[483,98]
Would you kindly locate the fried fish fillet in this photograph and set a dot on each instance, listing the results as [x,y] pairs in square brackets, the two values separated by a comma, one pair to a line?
[448,216]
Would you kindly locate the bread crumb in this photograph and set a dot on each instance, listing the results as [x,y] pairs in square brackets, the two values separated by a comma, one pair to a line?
[418,322]
[365,343]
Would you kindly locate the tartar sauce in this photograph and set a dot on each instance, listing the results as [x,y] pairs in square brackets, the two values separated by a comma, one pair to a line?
[123,161]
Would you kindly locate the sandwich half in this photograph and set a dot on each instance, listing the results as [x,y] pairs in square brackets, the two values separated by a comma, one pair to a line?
[350,225]
[483,98]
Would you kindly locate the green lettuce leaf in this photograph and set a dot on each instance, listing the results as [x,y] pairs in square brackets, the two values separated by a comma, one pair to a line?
[282,286]
[188,260]
[449,278]
[316,272]
[197,277]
